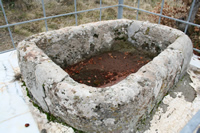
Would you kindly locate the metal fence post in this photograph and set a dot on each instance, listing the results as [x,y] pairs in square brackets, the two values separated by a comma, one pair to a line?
[100,10]
[7,24]
[189,15]
[120,9]
[44,13]
[75,12]
[163,1]
[192,124]
[138,6]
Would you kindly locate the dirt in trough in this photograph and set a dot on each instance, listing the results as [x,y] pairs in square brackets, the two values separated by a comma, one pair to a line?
[107,68]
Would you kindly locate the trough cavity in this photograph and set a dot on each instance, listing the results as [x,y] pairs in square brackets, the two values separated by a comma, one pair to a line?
[115,108]
[110,66]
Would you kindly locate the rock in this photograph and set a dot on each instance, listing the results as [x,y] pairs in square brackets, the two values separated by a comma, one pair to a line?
[117,108]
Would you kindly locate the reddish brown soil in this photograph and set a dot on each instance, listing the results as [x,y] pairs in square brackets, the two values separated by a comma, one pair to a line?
[107,69]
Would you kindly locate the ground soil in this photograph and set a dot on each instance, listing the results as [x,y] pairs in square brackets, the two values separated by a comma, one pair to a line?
[5,40]
[107,68]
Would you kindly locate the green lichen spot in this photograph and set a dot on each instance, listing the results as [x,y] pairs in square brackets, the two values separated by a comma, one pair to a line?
[133,38]
[147,31]
[76,97]
[27,92]
[177,37]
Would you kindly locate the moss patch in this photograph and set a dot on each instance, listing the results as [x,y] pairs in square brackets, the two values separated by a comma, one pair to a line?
[147,31]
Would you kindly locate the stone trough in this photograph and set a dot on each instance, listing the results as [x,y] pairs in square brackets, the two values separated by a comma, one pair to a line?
[117,108]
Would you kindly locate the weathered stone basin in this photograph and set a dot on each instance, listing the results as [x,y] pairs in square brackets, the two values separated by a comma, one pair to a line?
[117,108]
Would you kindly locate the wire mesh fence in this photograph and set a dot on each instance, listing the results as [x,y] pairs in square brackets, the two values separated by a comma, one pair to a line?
[120,7]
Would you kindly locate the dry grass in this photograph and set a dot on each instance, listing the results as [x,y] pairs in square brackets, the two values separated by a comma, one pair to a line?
[18,13]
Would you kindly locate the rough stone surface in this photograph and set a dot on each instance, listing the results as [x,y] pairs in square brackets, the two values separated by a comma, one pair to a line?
[44,125]
[181,105]
[117,108]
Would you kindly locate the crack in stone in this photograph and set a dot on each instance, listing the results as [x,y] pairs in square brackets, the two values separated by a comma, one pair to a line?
[43,86]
